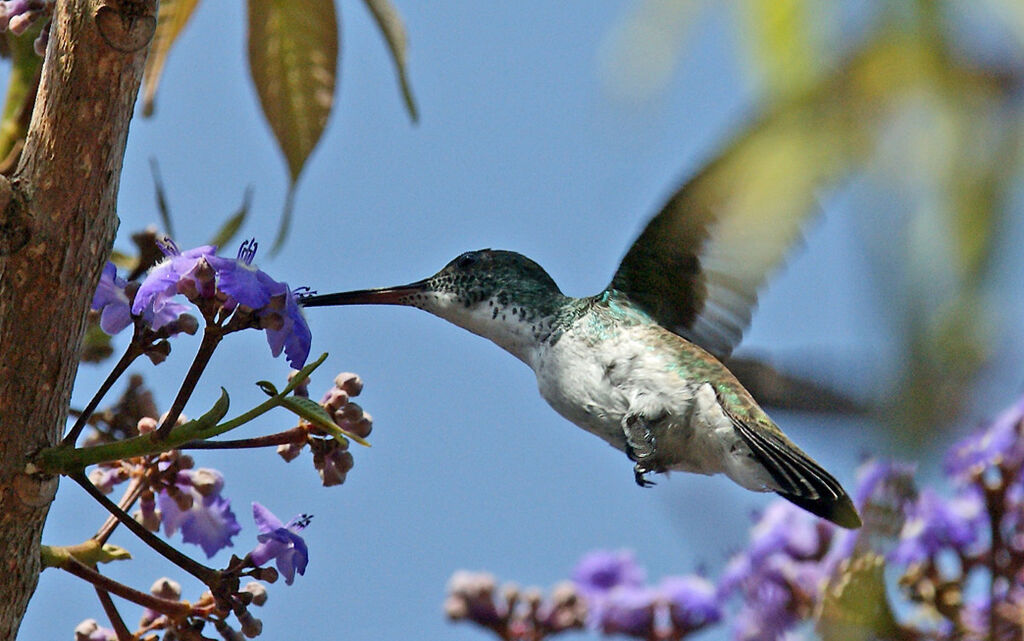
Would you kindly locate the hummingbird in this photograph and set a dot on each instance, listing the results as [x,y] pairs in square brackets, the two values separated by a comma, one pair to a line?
[639,364]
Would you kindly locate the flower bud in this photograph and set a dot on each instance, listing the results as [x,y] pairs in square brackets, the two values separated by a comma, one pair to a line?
[290,451]
[251,626]
[349,382]
[258,592]
[166,589]
[146,425]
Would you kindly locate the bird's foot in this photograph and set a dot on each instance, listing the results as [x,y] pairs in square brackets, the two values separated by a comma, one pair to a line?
[638,475]
[640,443]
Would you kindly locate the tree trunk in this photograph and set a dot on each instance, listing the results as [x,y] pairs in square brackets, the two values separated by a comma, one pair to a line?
[57,225]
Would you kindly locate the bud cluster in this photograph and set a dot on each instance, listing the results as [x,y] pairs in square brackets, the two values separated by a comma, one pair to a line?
[515,614]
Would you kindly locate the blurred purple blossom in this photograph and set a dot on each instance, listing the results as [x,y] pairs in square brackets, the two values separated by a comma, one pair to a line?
[208,521]
[934,523]
[627,609]
[692,600]
[280,542]
[997,443]
[601,570]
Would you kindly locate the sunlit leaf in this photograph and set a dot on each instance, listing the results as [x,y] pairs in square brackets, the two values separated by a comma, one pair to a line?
[391,26]
[231,226]
[293,59]
[855,605]
[171,20]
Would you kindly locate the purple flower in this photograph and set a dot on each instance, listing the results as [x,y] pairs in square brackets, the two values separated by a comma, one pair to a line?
[934,523]
[286,327]
[208,521]
[601,570]
[245,284]
[280,542]
[111,301]
[693,601]
[627,609]
[767,614]
[201,274]
[180,271]
[997,443]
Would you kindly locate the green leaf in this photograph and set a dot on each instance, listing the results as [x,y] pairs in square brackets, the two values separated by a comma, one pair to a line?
[855,606]
[318,416]
[293,59]
[391,26]
[173,17]
[230,227]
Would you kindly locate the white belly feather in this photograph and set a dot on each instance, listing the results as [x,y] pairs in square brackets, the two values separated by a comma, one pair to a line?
[596,384]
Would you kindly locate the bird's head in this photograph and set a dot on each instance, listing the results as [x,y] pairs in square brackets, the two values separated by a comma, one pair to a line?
[500,295]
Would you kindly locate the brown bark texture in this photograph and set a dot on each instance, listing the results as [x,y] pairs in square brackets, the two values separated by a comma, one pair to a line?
[57,225]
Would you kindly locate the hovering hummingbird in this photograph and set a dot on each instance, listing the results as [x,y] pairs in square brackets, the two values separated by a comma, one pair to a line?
[638,364]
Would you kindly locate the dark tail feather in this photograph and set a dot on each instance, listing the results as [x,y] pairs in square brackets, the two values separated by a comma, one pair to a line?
[838,510]
[798,478]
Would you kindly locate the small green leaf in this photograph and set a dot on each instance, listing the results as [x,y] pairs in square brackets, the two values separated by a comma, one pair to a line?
[267,387]
[391,26]
[230,227]
[293,59]
[173,17]
[318,416]
[211,417]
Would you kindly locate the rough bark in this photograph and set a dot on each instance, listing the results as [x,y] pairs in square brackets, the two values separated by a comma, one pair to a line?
[56,230]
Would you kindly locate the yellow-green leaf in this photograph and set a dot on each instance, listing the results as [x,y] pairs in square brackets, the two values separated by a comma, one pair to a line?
[173,17]
[391,26]
[293,59]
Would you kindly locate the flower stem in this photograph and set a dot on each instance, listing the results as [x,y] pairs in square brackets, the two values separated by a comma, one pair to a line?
[64,460]
[133,352]
[209,576]
[165,606]
[131,494]
[122,631]
[294,435]
[211,338]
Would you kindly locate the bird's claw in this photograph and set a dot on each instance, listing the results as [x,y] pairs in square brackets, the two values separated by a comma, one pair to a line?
[638,475]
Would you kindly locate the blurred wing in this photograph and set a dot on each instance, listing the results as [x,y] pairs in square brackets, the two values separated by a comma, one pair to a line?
[698,264]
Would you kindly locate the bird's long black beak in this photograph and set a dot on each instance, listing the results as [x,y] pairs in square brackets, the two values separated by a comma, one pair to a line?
[380,296]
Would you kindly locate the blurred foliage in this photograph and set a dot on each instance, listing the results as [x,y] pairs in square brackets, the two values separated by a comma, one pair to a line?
[919,99]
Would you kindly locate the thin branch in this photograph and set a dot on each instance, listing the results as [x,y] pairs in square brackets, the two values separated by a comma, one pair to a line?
[165,606]
[131,494]
[297,434]
[122,631]
[211,338]
[133,352]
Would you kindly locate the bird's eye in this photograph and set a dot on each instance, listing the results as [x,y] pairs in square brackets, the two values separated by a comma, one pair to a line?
[467,260]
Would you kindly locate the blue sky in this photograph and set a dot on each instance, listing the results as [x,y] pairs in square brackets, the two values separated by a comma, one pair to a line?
[520,146]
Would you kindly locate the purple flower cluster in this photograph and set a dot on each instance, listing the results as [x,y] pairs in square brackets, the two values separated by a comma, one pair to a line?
[620,601]
[959,557]
[195,506]
[515,614]
[217,286]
